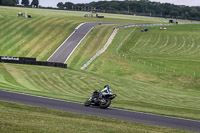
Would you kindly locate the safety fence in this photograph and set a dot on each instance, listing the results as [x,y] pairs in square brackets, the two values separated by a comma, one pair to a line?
[112,37]
[30,61]
[161,66]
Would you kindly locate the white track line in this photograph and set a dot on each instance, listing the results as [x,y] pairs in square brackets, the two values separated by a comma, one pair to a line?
[78,44]
[65,41]
[109,41]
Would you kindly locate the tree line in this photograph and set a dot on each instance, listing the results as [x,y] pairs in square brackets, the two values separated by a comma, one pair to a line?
[144,7]
[34,3]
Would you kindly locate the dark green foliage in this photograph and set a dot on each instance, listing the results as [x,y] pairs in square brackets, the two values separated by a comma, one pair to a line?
[25,2]
[9,2]
[141,7]
[67,5]
[35,3]
[60,5]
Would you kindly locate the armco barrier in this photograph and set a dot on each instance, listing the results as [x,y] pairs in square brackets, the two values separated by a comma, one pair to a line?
[30,61]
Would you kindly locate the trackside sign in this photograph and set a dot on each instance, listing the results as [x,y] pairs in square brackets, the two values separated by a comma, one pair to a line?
[30,61]
[9,58]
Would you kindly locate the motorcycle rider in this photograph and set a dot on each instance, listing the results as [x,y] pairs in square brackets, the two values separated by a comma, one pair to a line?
[99,93]
[106,90]
[101,98]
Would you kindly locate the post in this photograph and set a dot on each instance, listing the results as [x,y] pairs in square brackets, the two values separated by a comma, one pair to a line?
[26,15]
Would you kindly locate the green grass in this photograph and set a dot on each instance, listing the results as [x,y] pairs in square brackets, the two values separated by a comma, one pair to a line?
[40,36]
[22,118]
[95,40]
[77,86]
[139,87]
[179,42]
[160,54]
[171,67]
[36,37]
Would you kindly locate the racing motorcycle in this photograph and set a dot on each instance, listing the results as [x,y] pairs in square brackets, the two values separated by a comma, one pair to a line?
[103,102]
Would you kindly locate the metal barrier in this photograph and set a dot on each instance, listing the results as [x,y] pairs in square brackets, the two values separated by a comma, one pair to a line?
[30,61]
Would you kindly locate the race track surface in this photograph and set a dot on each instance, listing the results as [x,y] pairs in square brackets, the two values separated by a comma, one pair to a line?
[64,51]
[132,116]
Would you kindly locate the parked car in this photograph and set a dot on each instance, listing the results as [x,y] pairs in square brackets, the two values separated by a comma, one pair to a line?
[144,30]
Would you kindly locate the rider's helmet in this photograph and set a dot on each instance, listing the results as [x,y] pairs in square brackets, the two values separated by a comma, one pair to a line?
[106,86]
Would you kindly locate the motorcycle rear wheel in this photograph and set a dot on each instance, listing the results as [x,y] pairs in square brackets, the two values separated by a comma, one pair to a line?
[105,105]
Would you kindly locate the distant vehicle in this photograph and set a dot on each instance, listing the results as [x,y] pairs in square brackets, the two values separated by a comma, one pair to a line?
[97,15]
[171,21]
[86,15]
[144,30]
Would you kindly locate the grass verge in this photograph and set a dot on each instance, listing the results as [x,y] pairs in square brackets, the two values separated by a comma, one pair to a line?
[16,117]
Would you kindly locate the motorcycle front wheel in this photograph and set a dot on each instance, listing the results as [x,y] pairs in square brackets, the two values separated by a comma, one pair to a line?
[88,102]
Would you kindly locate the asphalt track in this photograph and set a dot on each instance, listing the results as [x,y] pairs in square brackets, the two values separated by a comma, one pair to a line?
[64,51]
[132,116]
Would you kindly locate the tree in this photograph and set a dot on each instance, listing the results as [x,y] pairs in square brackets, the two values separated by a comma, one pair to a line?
[10,2]
[0,2]
[68,5]
[60,5]
[138,6]
[174,13]
[35,3]
[25,2]
[194,12]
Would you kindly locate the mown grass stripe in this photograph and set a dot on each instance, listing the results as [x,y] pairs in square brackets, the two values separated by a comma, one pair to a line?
[174,44]
[169,45]
[4,22]
[61,83]
[7,34]
[32,36]
[23,28]
[192,46]
[34,80]
[164,42]
[37,42]
[48,41]
[20,43]
[147,42]
[155,44]
[55,83]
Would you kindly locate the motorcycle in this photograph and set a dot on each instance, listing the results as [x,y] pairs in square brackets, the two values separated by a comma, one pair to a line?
[103,102]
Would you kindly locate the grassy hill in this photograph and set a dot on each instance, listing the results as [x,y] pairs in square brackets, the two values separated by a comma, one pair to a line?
[151,72]
[41,35]
[165,60]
